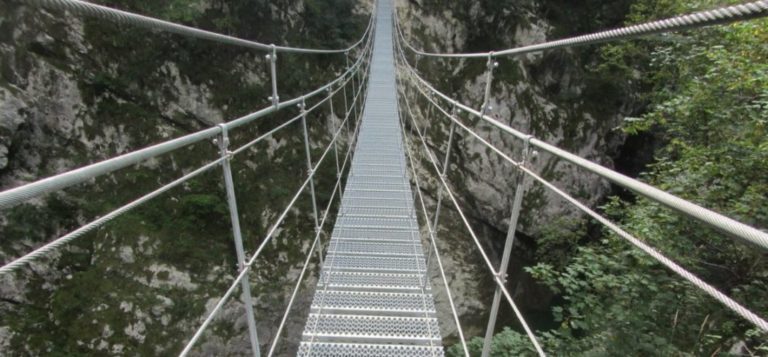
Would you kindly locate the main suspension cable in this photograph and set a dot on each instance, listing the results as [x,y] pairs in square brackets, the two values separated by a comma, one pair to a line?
[336,188]
[268,237]
[693,279]
[713,219]
[433,244]
[30,190]
[85,8]
[471,231]
[57,243]
[724,15]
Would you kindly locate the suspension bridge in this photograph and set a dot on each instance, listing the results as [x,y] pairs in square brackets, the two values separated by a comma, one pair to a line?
[373,296]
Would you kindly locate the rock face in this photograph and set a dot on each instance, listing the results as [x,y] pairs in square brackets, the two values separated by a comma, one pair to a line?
[75,91]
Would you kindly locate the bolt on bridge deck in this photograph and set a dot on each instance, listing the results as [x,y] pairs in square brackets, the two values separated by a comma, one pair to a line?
[372,298]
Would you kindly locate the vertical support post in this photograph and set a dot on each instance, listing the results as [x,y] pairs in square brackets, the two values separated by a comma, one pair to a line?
[272,58]
[310,172]
[502,272]
[354,87]
[223,142]
[346,109]
[361,83]
[492,64]
[446,162]
[336,142]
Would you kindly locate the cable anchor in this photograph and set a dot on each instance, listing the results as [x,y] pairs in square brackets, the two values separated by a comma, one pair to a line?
[490,65]
[272,58]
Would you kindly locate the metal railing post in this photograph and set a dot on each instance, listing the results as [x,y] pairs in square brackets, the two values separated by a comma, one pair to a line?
[346,107]
[354,87]
[502,272]
[335,142]
[491,65]
[310,172]
[446,162]
[361,84]
[223,142]
[272,58]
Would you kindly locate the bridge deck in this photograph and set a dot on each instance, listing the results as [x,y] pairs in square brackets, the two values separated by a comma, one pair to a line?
[372,298]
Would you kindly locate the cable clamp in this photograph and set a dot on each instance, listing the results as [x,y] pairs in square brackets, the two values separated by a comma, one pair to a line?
[502,276]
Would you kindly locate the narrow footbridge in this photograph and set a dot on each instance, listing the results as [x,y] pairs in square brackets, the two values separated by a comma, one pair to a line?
[373,295]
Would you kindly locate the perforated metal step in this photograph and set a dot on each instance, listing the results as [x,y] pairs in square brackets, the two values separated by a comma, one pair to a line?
[373,303]
[343,262]
[383,222]
[355,281]
[371,329]
[379,195]
[324,349]
[372,179]
[389,202]
[382,187]
[373,234]
[401,250]
[373,297]
[362,211]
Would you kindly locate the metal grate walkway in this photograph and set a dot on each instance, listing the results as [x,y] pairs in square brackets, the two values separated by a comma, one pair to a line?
[372,298]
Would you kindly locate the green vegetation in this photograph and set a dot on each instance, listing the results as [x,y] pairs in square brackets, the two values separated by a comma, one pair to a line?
[707,103]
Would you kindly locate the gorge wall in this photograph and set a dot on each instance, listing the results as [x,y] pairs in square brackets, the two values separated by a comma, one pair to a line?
[75,91]
[79,90]
[559,97]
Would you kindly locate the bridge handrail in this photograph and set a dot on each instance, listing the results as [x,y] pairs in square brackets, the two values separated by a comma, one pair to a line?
[336,189]
[431,234]
[718,16]
[16,195]
[713,219]
[712,291]
[496,275]
[268,237]
[137,156]
[120,16]
[418,82]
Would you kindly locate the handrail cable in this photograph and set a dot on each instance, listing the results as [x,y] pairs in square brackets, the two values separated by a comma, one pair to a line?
[124,17]
[268,237]
[712,291]
[336,188]
[329,264]
[30,190]
[433,244]
[724,15]
[713,219]
[497,279]
[471,231]
[56,243]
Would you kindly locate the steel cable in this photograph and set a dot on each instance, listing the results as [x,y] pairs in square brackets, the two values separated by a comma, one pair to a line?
[336,189]
[84,8]
[693,279]
[57,243]
[464,219]
[719,16]
[268,237]
[329,264]
[489,265]
[720,222]
[434,245]
[30,190]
